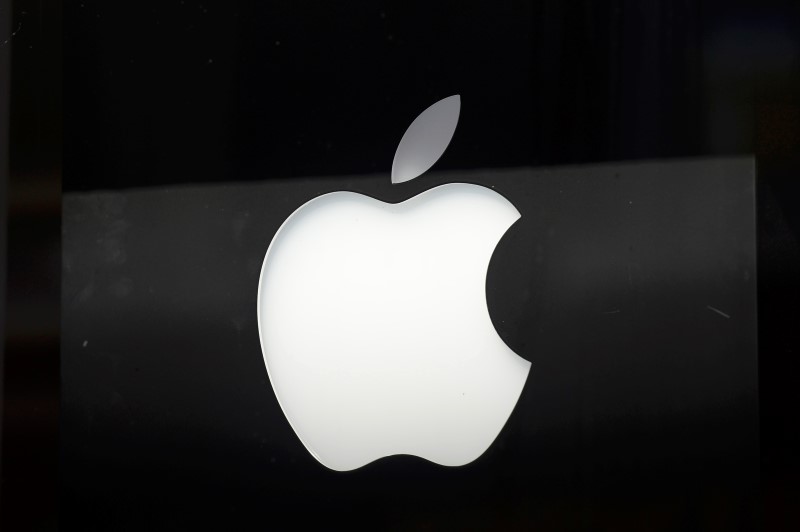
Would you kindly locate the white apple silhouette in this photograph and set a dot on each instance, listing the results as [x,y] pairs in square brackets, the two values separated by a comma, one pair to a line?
[373,318]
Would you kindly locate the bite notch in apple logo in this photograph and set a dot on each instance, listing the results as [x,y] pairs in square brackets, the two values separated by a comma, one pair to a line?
[373,320]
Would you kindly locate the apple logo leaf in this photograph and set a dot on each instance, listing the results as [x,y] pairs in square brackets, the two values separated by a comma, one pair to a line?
[426,139]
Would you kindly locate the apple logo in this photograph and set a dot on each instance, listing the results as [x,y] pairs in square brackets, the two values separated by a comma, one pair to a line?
[373,318]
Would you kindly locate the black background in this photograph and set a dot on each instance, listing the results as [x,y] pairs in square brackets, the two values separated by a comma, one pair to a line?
[641,402]
[158,93]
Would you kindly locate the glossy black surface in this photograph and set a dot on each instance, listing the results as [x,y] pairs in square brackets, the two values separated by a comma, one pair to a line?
[292,97]
[208,91]
[631,289]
